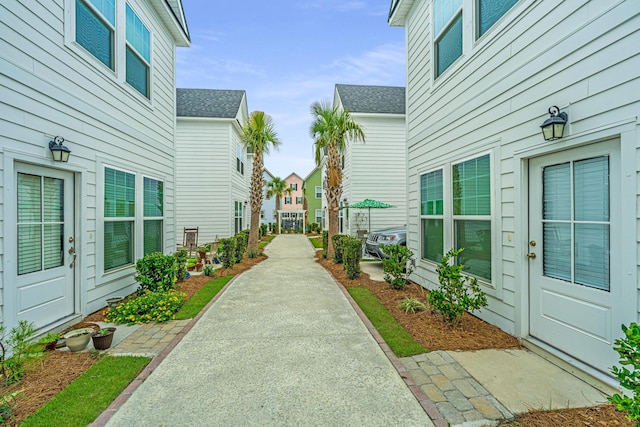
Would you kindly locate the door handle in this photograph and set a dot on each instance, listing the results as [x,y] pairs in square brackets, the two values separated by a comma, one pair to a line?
[531,255]
[72,251]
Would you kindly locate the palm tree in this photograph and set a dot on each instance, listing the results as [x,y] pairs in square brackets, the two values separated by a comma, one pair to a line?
[277,188]
[332,130]
[258,135]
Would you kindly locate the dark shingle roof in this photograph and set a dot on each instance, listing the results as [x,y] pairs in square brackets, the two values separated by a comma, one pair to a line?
[208,103]
[372,99]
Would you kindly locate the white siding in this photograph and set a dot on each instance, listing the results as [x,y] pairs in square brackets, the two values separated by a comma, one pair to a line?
[207,181]
[377,170]
[50,88]
[580,55]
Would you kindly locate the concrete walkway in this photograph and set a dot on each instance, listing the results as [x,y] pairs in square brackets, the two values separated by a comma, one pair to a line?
[282,346]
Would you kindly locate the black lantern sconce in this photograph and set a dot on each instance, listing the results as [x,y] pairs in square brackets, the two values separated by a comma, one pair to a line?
[59,152]
[553,127]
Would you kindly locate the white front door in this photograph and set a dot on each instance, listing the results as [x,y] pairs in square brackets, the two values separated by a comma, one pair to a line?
[45,246]
[577,299]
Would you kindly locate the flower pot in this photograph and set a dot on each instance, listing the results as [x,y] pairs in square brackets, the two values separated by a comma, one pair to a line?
[78,339]
[103,341]
[114,301]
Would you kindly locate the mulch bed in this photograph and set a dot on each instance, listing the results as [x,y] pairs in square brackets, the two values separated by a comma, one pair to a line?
[428,328]
[48,376]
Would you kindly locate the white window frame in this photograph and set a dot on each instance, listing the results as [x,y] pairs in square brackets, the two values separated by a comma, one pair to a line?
[294,186]
[118,74]
[138,54]
[287,200]
[318,192]
[103,276]
[471,42]
[154,218]
[319,216]
[298,200]
[445,207]
[449,218]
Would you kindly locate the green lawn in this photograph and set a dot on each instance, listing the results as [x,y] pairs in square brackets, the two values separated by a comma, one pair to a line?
[82,401]
[398,339]
[202,298]
[316,242]
[266,241]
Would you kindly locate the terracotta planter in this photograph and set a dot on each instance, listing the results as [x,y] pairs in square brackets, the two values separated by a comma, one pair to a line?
[103,341]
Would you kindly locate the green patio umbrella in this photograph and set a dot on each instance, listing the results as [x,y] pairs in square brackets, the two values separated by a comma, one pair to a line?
[369,204]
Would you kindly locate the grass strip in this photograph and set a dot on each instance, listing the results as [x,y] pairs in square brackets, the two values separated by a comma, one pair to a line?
[82,401]
[197,302]
[316,242]
[266,241]
[398,339]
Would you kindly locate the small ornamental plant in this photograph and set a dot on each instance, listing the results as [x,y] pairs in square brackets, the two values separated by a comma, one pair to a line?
[412,305]
[457,293]
[397,267]
[628,348]
[338,248]
[147,307]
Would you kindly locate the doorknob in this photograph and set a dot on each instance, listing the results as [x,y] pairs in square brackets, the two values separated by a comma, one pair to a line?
[531,255]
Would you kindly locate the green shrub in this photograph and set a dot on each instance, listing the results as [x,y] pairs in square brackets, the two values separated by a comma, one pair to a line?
[397,267]
[208,270]
[412,305]
[351,251]
[227,247]
[156,272]
[325,243]
[628,348]
[6,406]
[181,264]
[264,229]
[242,239]
[337,247]
[457,293]
[148,306]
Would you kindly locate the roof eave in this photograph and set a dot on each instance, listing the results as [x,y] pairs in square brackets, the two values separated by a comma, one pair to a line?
[398,12]
[174,19]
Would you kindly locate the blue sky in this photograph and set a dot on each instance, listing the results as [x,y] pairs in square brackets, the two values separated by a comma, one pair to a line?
[288,54]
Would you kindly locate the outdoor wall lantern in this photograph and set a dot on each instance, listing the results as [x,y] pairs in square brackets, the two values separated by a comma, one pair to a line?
[59,152]
[553,127]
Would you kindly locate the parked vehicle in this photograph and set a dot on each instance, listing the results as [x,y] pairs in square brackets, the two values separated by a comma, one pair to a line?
[387,236]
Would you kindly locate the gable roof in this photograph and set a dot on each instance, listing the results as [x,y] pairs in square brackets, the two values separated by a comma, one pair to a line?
[216,103]
[372,99]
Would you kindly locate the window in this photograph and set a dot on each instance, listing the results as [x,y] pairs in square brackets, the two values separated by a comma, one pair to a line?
[239,159]
[95,28]
[489,11]
[318,216]
[119,218]
[238,217]
[318,192]
[576,222]
[261,214]
[298,200]
[153,215]
[432,218]
[138,53]
[456,212]
[448,33]
[40,223]
[133,214]
[100,31]
[287,200]
[294,186]
[449,21]
[472,214]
